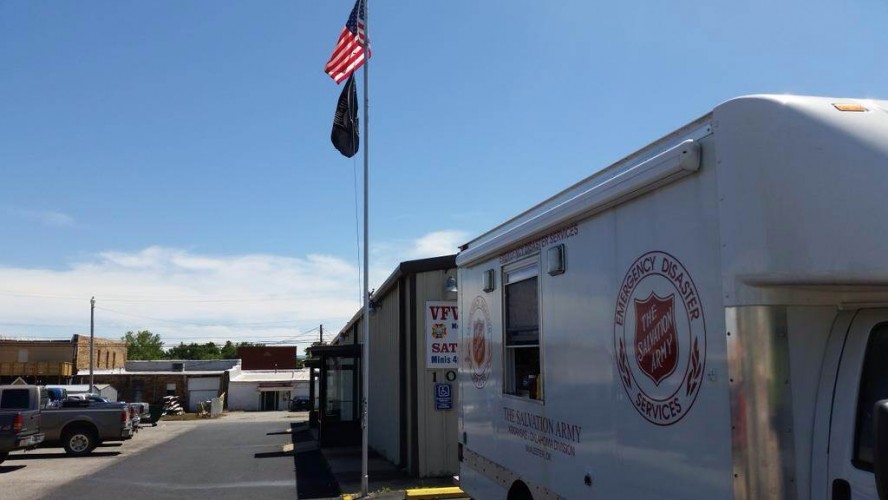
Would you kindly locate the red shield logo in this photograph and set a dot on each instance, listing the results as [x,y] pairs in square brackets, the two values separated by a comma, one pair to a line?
[479,343]
[656,342]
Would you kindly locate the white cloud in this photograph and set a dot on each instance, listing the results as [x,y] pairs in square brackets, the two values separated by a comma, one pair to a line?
[192,297]
[384,256]
[438,243]
[45,217]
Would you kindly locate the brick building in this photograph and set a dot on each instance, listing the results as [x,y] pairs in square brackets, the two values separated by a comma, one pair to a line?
[267,357]
[192,381]
[108,354]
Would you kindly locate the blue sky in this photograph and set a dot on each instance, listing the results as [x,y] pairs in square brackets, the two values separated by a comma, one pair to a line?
[172,158]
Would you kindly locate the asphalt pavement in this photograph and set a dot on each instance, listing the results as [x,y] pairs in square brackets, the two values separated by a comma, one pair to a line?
[237,456]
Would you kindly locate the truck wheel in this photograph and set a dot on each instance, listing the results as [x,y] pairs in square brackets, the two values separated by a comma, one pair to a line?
[520,491]
[79,441]
[3,456]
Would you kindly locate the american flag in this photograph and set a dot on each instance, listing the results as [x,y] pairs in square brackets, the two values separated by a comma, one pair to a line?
[348,55]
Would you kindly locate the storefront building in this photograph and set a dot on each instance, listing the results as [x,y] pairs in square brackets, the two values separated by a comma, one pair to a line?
[413,369]
[265,390]
[193,381]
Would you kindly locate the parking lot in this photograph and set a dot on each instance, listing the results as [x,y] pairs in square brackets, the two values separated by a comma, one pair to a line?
[240,454]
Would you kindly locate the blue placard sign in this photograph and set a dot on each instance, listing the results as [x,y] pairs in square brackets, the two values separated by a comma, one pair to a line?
[443,396]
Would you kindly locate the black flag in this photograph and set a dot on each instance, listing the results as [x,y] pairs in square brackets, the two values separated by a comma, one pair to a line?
[345,121]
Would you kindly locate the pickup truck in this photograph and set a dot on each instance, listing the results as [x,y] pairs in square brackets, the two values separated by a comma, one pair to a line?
[19,418]
[80,429]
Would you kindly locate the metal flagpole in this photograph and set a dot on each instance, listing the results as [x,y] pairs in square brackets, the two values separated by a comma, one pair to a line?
[92,324]
[365,352]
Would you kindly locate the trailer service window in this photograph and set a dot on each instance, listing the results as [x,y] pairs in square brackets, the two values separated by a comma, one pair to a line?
[522,331]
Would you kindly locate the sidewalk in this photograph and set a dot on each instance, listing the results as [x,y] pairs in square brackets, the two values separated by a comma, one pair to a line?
[383,477]
[331,472]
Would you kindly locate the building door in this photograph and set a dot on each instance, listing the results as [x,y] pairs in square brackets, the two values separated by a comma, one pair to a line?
[862,380]
[269,401]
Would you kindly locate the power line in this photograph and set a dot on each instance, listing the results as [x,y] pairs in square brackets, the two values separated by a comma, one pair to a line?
[164,298]
[283,322]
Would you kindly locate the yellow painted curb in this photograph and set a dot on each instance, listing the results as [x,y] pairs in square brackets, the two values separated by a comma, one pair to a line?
[447,492]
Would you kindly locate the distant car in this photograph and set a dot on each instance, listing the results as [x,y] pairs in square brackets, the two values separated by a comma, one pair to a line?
[93,398]
[143,410]
[300,403]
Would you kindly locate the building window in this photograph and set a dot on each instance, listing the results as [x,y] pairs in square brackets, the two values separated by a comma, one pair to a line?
[114,359]
[138,388]
[171,389]
[98,359]
[521,311]
[106,359]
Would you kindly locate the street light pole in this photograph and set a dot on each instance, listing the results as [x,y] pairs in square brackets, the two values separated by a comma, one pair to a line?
[92,326]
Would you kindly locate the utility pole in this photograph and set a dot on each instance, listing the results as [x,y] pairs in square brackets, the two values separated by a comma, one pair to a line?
[322,335]
[92,326]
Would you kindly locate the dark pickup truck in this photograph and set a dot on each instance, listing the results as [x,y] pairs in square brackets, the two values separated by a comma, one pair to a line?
[80,429]
[19,418]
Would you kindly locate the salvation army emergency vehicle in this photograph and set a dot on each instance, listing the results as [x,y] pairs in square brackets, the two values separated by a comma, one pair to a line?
[706,318]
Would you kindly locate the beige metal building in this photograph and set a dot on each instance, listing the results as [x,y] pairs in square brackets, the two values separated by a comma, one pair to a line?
[409,425]
[56,361]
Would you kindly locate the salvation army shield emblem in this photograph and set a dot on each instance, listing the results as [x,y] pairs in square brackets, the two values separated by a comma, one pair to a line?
[656,341]
[479,342]
[659,338]
[480,355]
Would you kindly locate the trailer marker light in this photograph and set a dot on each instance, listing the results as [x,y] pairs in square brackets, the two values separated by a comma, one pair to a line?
[849,107]
[488,283]
[556,260]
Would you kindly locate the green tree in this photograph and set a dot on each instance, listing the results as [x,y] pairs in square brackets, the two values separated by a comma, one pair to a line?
[229,350]
[195,351]
[143,345]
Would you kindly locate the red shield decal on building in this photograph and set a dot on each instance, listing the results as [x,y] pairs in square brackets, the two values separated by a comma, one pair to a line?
[656,341]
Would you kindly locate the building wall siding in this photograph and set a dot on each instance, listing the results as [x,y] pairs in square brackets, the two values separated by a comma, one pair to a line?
[11,351]
[384,410]
[152,387]
[405,428]
[437,429]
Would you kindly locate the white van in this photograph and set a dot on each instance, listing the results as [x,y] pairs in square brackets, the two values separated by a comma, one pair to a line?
[706,318]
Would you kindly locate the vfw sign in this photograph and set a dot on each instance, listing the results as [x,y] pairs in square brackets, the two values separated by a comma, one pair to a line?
[442,334]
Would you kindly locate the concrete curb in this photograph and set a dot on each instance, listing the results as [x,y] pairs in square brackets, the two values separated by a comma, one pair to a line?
[415,494]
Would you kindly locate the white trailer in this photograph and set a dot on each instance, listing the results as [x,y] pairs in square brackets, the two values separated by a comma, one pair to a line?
[706,318]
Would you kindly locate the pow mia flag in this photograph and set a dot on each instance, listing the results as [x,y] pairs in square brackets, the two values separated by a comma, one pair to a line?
[345,122]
